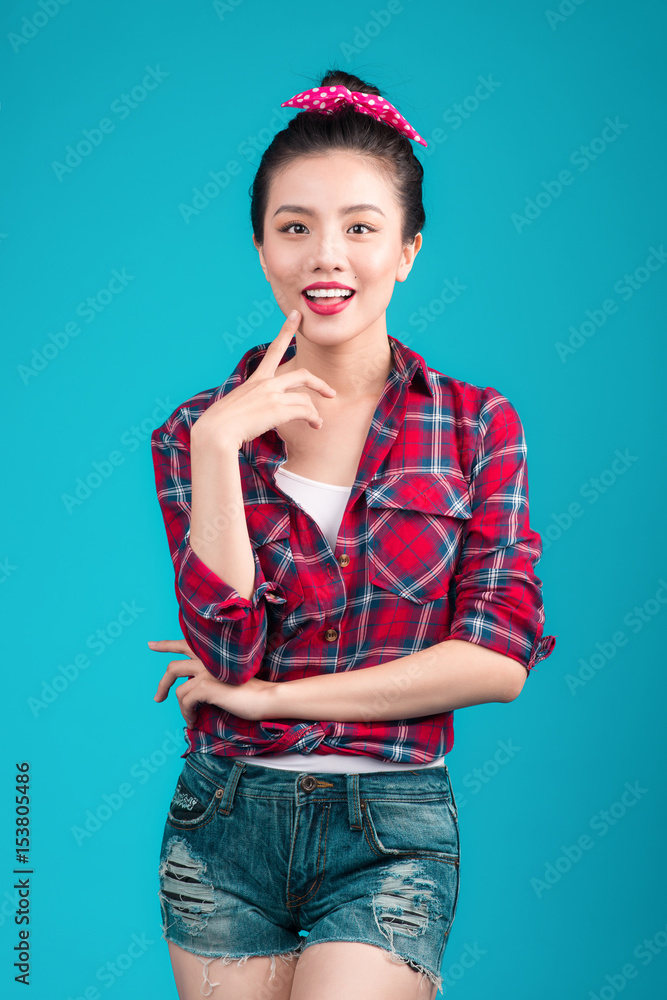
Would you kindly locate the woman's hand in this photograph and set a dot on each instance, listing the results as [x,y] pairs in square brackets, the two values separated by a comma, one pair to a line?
[248,701]
[265,400]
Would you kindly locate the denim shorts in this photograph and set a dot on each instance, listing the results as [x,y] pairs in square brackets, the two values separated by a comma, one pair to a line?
[251,856]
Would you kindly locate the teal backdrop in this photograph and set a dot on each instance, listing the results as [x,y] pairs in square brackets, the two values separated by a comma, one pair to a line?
[130,137]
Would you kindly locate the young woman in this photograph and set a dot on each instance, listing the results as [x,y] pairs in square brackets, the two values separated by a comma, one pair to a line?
[354,561]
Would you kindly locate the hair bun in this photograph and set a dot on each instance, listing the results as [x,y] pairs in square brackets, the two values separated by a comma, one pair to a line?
[339,78]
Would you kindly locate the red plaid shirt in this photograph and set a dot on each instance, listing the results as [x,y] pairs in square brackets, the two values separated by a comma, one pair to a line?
[435,543]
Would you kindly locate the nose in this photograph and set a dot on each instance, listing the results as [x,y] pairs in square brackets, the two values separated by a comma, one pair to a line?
[327,253]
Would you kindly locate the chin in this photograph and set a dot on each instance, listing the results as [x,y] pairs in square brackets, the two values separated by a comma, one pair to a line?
[328,335]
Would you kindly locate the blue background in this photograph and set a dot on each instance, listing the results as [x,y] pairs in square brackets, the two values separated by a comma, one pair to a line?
[591,718]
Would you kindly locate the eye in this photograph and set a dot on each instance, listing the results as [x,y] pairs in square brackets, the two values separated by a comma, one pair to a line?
[289,225]
[357,225]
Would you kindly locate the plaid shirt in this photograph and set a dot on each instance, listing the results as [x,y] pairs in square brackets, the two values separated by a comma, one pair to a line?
[435,544]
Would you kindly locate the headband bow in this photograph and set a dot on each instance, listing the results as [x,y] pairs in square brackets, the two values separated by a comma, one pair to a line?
[324,98]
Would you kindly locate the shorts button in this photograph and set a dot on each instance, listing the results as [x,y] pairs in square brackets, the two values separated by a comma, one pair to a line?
[219,792]
[308,783]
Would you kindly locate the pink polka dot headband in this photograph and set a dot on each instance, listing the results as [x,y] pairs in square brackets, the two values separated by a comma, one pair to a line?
[324,98]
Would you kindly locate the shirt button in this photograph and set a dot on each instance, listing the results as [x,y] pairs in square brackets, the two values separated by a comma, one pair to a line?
[331,634]
[344,560]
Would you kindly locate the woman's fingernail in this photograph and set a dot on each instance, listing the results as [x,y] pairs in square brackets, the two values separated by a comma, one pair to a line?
[293,315]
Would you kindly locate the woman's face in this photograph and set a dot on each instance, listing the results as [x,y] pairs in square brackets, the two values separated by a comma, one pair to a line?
[334,218]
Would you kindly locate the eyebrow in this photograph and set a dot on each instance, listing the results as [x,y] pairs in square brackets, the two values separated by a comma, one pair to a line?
[301,210]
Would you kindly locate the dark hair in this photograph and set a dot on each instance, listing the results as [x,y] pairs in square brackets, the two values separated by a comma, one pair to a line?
[312,133]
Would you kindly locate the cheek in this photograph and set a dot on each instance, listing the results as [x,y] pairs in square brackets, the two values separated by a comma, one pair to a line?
[380,272]
[380,286]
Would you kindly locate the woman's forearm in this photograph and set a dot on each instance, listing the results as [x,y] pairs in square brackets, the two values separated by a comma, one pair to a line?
[218,528]
[451,674]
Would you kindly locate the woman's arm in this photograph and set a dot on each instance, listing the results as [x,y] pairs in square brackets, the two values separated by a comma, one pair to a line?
[225,627]
[452,674]
[220,584]
[498,593]
[218,527]
[441,678]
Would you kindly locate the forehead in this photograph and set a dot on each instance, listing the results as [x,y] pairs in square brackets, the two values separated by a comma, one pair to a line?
[334,178]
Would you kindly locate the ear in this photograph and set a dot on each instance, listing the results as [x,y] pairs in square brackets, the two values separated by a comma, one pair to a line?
[261,255]
[408,255]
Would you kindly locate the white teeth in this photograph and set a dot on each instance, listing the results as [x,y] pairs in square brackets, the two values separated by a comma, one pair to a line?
[321,293]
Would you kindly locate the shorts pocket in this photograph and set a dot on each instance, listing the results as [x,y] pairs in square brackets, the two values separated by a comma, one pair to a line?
[408,827]
[195,801]
[416,525]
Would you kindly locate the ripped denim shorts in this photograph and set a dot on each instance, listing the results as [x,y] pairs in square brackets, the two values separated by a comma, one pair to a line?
[261,861]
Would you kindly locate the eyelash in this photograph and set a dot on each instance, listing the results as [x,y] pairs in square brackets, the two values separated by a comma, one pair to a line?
[288,225]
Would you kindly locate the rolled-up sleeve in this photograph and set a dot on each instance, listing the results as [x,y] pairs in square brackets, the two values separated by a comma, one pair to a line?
[497,592]
[225,630]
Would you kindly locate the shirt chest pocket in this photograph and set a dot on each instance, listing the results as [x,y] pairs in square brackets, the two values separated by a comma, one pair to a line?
[269,530]
[416,524]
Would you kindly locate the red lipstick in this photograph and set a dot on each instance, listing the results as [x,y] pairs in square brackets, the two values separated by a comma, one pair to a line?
[327,305]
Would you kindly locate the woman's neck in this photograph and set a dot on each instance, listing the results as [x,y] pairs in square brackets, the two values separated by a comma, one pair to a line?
[355,370]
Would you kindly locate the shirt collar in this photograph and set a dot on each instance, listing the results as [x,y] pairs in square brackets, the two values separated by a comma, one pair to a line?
[411,367]
[267,451]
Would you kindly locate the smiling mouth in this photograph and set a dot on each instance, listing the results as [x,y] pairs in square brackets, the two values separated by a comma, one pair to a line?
[315,294]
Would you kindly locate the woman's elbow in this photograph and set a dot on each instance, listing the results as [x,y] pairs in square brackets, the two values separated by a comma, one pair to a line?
[517,675]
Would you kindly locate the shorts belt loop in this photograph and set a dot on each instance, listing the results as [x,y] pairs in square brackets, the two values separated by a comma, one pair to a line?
[230,787]
[451,791]
[353,802]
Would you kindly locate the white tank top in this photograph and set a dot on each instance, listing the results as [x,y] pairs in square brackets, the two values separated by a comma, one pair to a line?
[326,505]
